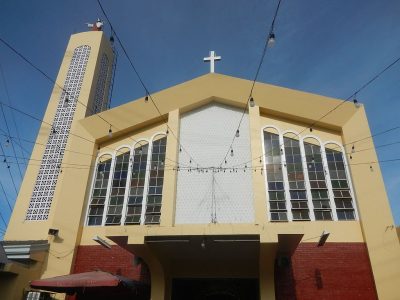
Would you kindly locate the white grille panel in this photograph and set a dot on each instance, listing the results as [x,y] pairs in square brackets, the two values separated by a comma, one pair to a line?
[100,102]
[206,134]
[46,180]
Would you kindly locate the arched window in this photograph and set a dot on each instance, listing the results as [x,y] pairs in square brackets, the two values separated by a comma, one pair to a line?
[116,202]
[316,176]
[297,188]
[99,191]
[275,182]
[137,184]
[156,180]
[340,184]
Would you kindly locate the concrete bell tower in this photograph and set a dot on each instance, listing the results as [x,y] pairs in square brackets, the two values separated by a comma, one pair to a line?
[82,89]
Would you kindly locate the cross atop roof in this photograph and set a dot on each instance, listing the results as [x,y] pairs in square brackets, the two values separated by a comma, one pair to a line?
[212,58]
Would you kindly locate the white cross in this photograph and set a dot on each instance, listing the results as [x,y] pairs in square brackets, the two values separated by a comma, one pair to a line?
[212,58]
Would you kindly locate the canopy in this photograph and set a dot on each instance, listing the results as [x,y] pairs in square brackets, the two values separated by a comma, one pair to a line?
[91,283]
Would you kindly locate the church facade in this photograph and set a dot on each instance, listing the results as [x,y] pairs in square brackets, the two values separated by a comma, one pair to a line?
[207,196]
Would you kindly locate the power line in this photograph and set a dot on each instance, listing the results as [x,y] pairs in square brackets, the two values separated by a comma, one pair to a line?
[349,143]
[365,85]
[250,99]
[12,116]
[5,223]
[354,94]
[5,196]
[148,94]
[9,171]
[47,76]
[55,83]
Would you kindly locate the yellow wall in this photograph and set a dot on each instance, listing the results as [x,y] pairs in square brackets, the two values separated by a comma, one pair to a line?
[283,108]
[69,198]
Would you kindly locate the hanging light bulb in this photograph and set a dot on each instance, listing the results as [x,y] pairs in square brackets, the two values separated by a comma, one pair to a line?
[251,102]
[356,103]
[167,131]
[110,132]
[237,133]
[352,149]
[271,40]
[310,129]
[146,99]
[203,244]
[7,142]
[112,39]
[231,152]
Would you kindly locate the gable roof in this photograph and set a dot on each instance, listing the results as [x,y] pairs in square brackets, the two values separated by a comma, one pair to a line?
[291,104]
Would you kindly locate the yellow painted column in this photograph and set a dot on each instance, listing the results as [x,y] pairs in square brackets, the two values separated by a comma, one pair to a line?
[160,282]
[170,175]
[258,179]
[267,270]
[376,219]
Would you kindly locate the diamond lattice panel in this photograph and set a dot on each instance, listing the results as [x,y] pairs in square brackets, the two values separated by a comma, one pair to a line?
[206,134]
[100,99]
[46,180]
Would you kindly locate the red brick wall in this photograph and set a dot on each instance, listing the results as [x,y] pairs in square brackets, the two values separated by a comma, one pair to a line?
[333,271]
[116,260]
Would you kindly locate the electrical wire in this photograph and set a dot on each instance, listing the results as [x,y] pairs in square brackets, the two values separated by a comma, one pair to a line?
[2,218]
[5,196]
[148,94]
[264,52]
[73,134]
[65,91]
[9,171]
[12,115]
[365,85]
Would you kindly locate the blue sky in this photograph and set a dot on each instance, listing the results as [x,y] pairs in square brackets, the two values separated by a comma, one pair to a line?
[325,47]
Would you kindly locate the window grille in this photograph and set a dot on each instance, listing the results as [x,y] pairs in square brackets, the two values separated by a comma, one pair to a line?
[50,166]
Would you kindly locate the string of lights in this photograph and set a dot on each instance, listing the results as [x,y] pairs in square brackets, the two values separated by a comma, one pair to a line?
[12,116]
[9,171]
[178,166]
[148,94]
[8,141]
[8,45]
[354,94]
[356,103]
[250,100]
[73,134]
[260,157]
[110,132]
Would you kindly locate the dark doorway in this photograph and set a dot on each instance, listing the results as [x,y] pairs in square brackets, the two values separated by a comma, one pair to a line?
[215,289]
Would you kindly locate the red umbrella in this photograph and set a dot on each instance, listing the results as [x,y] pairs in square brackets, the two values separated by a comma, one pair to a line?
[89,283]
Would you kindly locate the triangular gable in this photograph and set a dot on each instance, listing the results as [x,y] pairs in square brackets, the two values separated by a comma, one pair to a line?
[290,104]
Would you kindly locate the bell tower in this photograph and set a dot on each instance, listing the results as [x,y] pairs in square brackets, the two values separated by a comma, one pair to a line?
[82,89]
